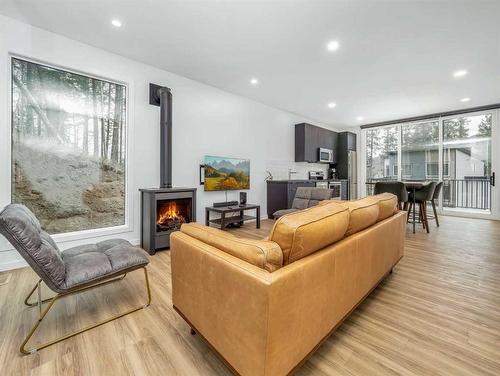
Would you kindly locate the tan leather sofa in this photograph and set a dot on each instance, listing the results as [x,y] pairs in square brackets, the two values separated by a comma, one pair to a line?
[265,305]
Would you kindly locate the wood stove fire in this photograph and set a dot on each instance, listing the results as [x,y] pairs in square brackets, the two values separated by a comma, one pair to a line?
[171,214]
[164,209]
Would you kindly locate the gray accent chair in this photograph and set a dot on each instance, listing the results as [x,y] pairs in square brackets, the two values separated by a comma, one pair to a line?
[74,270]
[305,197]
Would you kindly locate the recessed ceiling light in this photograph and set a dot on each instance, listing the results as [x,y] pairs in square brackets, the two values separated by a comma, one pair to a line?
[360,118]
[333,45]
[459,73]
[464,99]
[254,81]
[116,23]
[332,105]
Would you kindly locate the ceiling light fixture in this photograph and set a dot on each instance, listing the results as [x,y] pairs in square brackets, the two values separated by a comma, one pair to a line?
[359,118]
[116,23]
[465,100]
[254,81]
[332,105]
[460,73]
[333,45]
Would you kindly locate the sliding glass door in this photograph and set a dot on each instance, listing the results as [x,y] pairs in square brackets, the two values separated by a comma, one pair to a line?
[461,151]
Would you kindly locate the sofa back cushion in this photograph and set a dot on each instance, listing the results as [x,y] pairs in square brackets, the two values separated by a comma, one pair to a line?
[301,233]
[387,205]
[305,197]
[362,213]
[262,253]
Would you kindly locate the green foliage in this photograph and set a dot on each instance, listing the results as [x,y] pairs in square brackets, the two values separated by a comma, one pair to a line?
[456,129]
[78,111]
[484,127]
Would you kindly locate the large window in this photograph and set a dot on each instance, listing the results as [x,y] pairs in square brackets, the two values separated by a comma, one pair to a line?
[381,153]
[455,150]
[68,147]
[420,149]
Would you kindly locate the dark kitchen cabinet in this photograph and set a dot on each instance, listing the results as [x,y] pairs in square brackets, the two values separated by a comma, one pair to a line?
[309,138]
[280,194]
[347,141]
[346,144]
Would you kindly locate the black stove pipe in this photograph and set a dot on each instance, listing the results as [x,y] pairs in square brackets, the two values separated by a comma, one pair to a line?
[165,96]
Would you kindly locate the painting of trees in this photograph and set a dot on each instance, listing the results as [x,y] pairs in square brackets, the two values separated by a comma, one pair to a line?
[68,147]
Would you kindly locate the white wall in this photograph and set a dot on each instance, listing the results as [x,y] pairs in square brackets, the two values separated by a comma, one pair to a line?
[206,121]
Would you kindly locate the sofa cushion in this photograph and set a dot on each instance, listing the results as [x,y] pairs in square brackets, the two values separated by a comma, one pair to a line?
[262,253]
[304,232]
[363,213]
[387,205]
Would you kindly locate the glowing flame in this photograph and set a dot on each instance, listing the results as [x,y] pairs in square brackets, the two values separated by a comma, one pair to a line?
[170,212]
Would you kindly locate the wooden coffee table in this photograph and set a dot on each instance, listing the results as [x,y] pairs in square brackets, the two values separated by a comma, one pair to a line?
[225,220]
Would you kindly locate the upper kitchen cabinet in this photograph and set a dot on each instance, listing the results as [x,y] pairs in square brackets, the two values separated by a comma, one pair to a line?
[309,138]
[346,141]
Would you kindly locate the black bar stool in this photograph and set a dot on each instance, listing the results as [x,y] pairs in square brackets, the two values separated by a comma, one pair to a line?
[422,196]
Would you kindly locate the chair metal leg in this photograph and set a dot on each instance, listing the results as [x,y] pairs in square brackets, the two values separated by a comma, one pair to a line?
[35,304]
[424,216]
[435,212]
[421,214]
[52,300]
[410,205]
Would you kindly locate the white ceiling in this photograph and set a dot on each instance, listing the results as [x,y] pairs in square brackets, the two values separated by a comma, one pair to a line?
[396,58]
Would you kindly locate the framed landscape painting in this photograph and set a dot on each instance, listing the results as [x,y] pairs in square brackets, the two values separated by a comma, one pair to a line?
[223,173]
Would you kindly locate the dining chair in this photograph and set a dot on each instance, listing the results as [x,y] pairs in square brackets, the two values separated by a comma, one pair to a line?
[422,197]
[397,188]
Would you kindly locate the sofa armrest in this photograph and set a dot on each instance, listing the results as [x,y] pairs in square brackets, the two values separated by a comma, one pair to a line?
[265,254]
[224,298]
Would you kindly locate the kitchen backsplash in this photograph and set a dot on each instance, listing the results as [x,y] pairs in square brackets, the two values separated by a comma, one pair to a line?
[279,169]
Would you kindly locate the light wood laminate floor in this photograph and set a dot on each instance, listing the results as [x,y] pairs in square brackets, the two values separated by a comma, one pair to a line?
[437,314]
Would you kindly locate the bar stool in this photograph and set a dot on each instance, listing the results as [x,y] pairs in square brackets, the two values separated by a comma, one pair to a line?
[422,196]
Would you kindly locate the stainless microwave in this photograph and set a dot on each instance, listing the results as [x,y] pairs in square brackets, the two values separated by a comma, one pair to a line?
[325,155]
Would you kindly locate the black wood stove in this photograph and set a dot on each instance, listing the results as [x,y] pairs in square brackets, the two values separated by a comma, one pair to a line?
[164,209]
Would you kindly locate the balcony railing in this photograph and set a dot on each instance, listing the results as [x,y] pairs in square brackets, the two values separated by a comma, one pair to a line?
[473,193]
[470,193]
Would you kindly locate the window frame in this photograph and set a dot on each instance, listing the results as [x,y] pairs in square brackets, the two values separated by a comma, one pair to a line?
[410,165]
[6,194]
[427,174]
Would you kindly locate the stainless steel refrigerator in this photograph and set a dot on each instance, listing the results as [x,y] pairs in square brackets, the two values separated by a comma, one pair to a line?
[352,174]
[346,163]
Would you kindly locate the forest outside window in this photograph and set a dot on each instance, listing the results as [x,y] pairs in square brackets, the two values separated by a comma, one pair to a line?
[68,147]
